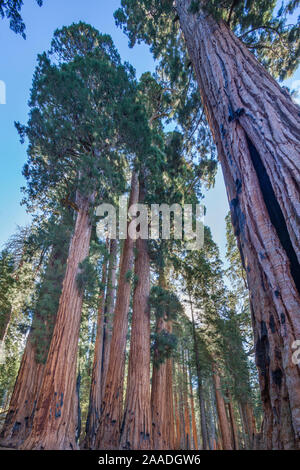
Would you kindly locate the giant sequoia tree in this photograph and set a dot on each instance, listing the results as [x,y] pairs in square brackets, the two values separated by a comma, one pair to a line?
[83,112]
[254,123]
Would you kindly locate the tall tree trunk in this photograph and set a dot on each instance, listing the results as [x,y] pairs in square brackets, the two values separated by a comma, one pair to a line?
[158,394]
[177,414]
[200,388]
[187,423]
[194,426]
[233,425]
[255,125]
[136,427]
[249,424]
[19,418]
[161,392]
[109,309]
[169,428]
[4,324]
[181,408]
[223,421]
[55,420]
[108,435]
[94,411]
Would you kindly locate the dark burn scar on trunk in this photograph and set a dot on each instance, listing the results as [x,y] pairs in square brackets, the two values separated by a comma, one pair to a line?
[277,377]
[262,350]
[275,212]
[272,324]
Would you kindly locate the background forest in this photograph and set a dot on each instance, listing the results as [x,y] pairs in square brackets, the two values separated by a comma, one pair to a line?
[136,344]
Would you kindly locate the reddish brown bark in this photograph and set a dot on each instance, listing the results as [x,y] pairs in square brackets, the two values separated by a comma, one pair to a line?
[187,423]
[55,421]
[108,435]
[109,310]
[158,395]
[255,125]
[95,391]
[194,426]
[22,405]
[169,428]
[177,421]
[233,425]
[223,421]
[136,428]
[23,402]
[249,425]
[200,388]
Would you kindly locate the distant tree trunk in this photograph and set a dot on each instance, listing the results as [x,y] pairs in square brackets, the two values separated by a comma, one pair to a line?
[177,417]
[6,316]
[161,392]
[200,388]
[108,435]
[169,405]
[94,411]
[177,422]
[181,409]
[249,424]
[19,418]
[158,394]
[109,310]
[136,428]
[234,431]
[55,420]
[194,426]
[187,423]
[223,421]
[255,125]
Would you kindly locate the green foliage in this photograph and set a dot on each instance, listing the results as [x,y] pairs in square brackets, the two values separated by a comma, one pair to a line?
[164,303]
[6,284]
[11,9]
[265,29]
[194,6]
[84,120]
[164,343]
[129,276]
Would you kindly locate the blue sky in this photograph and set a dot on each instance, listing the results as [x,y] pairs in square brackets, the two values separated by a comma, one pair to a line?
[17,64]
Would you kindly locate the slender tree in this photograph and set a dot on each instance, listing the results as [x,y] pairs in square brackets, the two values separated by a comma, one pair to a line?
[108,434]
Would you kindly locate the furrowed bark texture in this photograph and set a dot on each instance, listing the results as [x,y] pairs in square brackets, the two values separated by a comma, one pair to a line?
[200,388]
[177,421]
[109,309]
[108,436]
[18,422]
[136,427]
[55,420]
[194,426]
[94,412]
[169,427]
[22,405]
[255,125]
[158,395]
[223,421]
[187,423]
[249,424]
[233,425]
